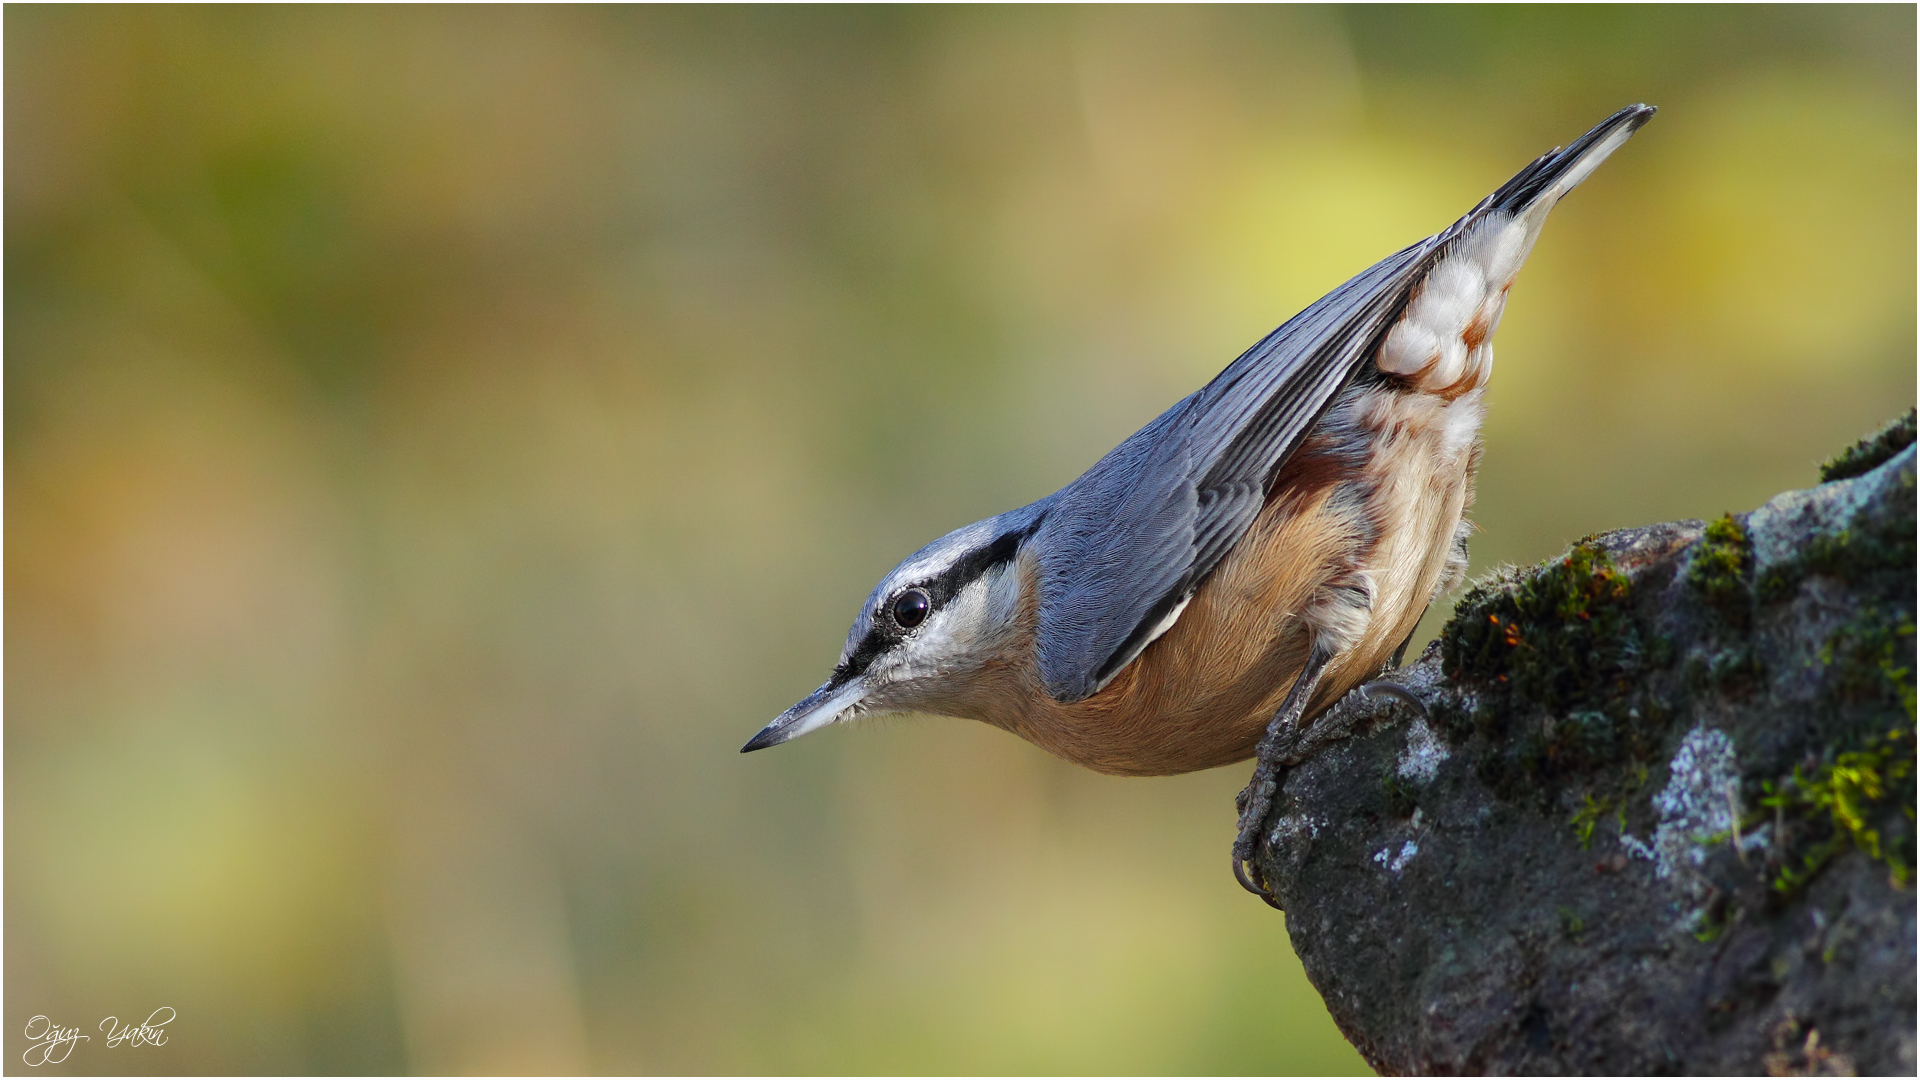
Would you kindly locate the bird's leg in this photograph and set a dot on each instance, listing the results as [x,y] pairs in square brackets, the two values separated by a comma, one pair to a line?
[1257,800]
[1381,686]
[1400,653]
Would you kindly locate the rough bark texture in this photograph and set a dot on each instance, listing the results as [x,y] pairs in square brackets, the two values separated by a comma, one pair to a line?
[1659,818]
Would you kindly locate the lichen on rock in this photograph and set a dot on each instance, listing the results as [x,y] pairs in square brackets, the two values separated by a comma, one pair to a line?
[1425,753]
[1699,803]
[1660,820]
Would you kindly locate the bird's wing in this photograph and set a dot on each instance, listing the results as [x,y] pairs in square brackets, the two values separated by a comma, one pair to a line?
[1123,548]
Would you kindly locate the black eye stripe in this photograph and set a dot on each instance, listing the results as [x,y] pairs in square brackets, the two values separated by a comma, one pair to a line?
[878,640]
[968,569]
[884,633]
[965,570]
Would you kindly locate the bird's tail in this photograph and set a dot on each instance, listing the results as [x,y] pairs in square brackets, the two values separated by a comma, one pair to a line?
[1442,341]
[1553,174]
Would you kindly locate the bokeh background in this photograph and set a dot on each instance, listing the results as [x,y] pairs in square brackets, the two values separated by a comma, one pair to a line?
[436,439]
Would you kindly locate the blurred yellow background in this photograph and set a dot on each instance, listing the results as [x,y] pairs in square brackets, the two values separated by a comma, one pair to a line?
[437,438]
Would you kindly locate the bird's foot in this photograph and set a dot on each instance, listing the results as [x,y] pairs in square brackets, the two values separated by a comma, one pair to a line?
[1283,747]
[1278,749]
[1255,803]
[1337,723]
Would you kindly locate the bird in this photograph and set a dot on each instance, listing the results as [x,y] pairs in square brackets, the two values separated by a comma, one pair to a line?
[1238,565]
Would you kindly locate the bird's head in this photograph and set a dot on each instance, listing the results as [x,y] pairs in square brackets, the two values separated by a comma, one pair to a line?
[948,612]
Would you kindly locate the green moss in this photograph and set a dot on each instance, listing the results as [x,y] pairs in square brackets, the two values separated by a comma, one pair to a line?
[1875,552]
[1612,798]
[1867,454]
[1868,660]
[1559,636]
[1585,818]
[1721,561]
[1844,798]
[1552,659]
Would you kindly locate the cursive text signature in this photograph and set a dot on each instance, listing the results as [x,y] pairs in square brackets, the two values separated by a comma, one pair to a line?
[49,1042]
[151,1033]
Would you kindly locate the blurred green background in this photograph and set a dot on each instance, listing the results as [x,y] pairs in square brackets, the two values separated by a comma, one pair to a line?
[437,438]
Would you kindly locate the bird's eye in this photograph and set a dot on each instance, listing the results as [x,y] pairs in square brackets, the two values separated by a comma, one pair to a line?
[910,608]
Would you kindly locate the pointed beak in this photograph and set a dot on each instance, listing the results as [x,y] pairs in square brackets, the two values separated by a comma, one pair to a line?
[822,707]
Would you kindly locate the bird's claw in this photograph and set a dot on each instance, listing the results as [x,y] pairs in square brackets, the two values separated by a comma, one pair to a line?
[1255,803]
[1246,870]
[1284,747]
[1383,688]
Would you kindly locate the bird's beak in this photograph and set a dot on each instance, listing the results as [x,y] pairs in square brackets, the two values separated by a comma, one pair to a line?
[822,707]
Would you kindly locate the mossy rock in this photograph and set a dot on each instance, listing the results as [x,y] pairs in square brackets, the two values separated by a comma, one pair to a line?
[1663,819]
[1867,454]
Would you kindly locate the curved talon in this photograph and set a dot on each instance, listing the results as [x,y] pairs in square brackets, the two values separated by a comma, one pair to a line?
[1256,805]
[1255,802]
[1241,867]
[1385,688]
[1244,870]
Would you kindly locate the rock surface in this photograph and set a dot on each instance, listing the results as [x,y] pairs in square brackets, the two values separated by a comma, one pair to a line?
[1658,819]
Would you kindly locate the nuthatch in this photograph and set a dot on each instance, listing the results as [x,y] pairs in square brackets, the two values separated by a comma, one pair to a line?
[1235,567]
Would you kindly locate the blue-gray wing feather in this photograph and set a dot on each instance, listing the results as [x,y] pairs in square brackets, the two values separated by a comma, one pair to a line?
[1126,544]
[1131,539]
